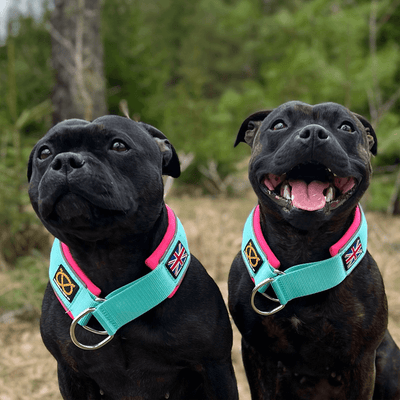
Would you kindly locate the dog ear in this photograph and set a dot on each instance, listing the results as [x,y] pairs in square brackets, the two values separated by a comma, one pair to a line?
[171,165]
[250,126]
[371,135]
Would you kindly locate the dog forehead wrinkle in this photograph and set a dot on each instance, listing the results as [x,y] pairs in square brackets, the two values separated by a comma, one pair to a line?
[332,112]
[291,110]
[304,108]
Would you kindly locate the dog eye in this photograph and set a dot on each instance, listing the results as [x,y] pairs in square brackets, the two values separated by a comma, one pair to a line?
[276,126]
[44,153]
[119,146]
[346,127]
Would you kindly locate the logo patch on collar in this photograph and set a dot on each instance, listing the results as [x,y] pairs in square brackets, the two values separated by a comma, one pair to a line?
[69,288]
[177,260]
[352,254]
[253,257]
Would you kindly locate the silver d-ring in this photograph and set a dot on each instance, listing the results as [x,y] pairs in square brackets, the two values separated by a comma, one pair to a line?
[75,340]
[100,300]
[255,291]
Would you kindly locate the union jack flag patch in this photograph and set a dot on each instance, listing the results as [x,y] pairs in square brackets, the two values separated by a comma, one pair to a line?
[354,252]
[177,260]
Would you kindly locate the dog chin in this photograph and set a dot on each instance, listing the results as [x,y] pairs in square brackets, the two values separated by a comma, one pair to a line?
[73,208]
[74,213]
[305,220]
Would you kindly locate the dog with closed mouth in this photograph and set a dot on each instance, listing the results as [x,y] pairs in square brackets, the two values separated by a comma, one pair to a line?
[128,313]
[304,292]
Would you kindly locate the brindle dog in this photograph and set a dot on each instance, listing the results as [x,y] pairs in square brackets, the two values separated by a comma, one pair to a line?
[310,166]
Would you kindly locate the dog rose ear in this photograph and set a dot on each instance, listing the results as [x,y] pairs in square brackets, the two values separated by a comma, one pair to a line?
[171,165]
[371,135]
[250,126]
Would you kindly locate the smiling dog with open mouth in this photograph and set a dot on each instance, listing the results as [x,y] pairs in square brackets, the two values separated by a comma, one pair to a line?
[304,247]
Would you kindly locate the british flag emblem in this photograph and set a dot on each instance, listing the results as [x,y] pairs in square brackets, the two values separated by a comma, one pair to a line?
[177,260]
[352,254]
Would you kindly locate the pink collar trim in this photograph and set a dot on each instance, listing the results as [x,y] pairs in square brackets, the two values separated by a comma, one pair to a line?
[83,277]
[155,258]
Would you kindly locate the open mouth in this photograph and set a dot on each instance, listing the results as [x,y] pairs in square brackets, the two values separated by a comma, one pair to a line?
[310,187]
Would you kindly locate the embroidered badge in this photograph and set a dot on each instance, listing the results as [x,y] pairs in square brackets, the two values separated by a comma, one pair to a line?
[254,259]
[177,260]
[65,283]
[352,254]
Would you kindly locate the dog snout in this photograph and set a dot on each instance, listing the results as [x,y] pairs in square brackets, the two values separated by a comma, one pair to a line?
[314,133]
[67,162]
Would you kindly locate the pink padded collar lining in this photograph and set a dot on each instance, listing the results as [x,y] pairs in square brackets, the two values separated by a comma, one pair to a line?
[155,258]
[350,232]
[89,284]
[260,238]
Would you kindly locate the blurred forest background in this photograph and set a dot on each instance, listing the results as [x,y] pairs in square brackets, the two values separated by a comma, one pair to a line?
[196,70]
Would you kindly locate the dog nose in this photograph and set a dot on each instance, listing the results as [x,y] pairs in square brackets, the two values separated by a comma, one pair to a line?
[67,162]
[314,132]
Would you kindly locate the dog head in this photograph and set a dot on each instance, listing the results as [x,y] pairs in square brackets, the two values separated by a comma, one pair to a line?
[89,179]
[308,162]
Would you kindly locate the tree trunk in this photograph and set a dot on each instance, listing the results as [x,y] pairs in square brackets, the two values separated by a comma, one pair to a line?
[77,56]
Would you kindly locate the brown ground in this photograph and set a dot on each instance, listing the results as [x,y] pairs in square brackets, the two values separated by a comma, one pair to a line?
[213,227]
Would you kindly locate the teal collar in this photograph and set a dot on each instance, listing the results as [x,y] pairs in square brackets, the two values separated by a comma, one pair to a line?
[81,298]
[303,279]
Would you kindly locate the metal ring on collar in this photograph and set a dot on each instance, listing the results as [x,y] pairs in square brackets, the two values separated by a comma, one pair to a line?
[100,300]
[83,346]
[270,280]
[255,291]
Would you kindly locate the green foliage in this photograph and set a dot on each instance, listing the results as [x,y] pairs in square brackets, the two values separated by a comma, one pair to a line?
[388,140]
[197,69]
[380,191]
[26,85]
[20,230]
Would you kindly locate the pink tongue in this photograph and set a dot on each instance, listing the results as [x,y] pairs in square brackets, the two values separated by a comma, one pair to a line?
[344,184]
[308,197]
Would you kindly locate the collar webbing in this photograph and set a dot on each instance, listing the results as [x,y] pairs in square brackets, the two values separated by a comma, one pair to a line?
[303,279]
[77,293]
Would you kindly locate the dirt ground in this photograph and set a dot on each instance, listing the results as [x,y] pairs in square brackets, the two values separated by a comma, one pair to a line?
[213,227]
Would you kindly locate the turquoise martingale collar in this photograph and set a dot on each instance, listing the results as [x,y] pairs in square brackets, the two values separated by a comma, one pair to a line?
[303,279]
[81,298]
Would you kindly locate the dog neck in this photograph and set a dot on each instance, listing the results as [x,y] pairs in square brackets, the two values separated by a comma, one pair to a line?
[293,246]
[114,262]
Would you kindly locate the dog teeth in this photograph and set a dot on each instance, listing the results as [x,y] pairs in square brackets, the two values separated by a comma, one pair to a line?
[286,192]
[330,194]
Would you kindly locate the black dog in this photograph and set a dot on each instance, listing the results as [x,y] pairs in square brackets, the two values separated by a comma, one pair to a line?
[310,166]
[98,188]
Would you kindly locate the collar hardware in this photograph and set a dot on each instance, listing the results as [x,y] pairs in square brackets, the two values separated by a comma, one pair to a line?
[302,279]
[84,346]
[81,298]
[266,283]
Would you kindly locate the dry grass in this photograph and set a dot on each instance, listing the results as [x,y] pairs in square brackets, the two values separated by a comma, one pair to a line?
[213,227]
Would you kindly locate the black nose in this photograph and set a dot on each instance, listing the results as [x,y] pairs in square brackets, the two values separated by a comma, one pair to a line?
[314,132]
[67,162]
